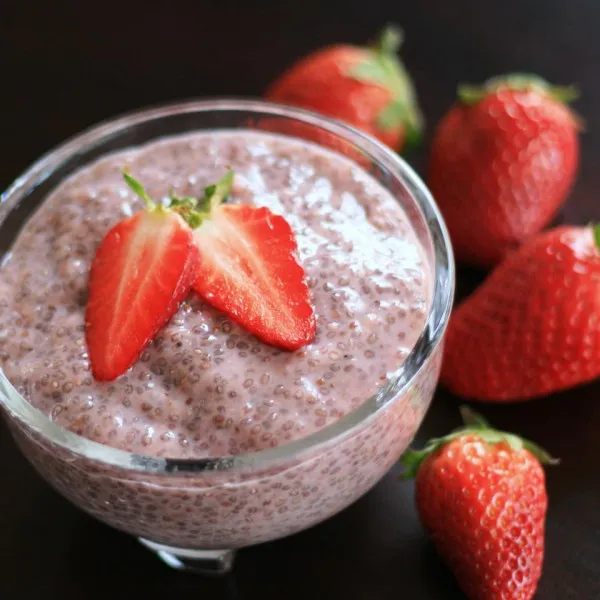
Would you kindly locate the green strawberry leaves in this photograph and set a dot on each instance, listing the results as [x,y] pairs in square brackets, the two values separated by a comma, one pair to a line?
[596,231]
[477,425]
[472,94]
[217,193]
[391,115]
[138,189]
[193,211]
[384,69]
[371,72]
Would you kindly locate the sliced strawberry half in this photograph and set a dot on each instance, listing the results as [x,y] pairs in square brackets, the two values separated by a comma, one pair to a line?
[143,269]
[248,268]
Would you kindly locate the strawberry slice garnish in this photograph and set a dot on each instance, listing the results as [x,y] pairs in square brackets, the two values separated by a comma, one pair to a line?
[143,269]
[248,267]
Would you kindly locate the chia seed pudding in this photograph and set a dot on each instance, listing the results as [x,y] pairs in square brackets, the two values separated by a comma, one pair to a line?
[205,387]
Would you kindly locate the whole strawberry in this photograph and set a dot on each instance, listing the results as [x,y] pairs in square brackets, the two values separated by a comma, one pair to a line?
[503,161]
[533,327]
[481,495]
[365,87]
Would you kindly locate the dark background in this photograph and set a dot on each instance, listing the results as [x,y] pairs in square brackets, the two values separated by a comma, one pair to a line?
[66,65]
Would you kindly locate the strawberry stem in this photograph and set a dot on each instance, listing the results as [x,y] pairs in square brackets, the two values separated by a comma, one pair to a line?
[187,202]
[389,40]
[386,70]
[474,424]
[186,207]
[139,189]
[472,419]
[382,67]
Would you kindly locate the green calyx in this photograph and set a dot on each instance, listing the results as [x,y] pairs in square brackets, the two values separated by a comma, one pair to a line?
[596,232]
[474,424]
[383,68]
[195,211]
[192,210]
[138,189]
[471,94]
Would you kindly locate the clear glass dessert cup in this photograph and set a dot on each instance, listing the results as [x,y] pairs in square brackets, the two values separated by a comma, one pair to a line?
[195,513]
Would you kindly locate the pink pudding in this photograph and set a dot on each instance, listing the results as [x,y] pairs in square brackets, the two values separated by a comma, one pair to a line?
[205,387]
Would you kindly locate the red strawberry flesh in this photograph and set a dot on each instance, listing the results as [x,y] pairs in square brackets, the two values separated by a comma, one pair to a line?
[141,272]
[248,268]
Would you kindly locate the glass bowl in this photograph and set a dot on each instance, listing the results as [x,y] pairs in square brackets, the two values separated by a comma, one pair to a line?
[195,513]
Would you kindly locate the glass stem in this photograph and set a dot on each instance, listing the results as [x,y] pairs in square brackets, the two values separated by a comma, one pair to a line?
[201,562]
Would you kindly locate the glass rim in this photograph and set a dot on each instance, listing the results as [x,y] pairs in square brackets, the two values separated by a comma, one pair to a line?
[398,383]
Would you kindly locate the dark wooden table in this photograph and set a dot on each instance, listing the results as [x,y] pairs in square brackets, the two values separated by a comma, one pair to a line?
[66,65]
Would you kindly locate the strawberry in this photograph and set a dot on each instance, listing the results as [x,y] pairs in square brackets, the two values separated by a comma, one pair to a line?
[503,161]
[481,495]
[365,87]
[143,269]
[532,328]
[248,267]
